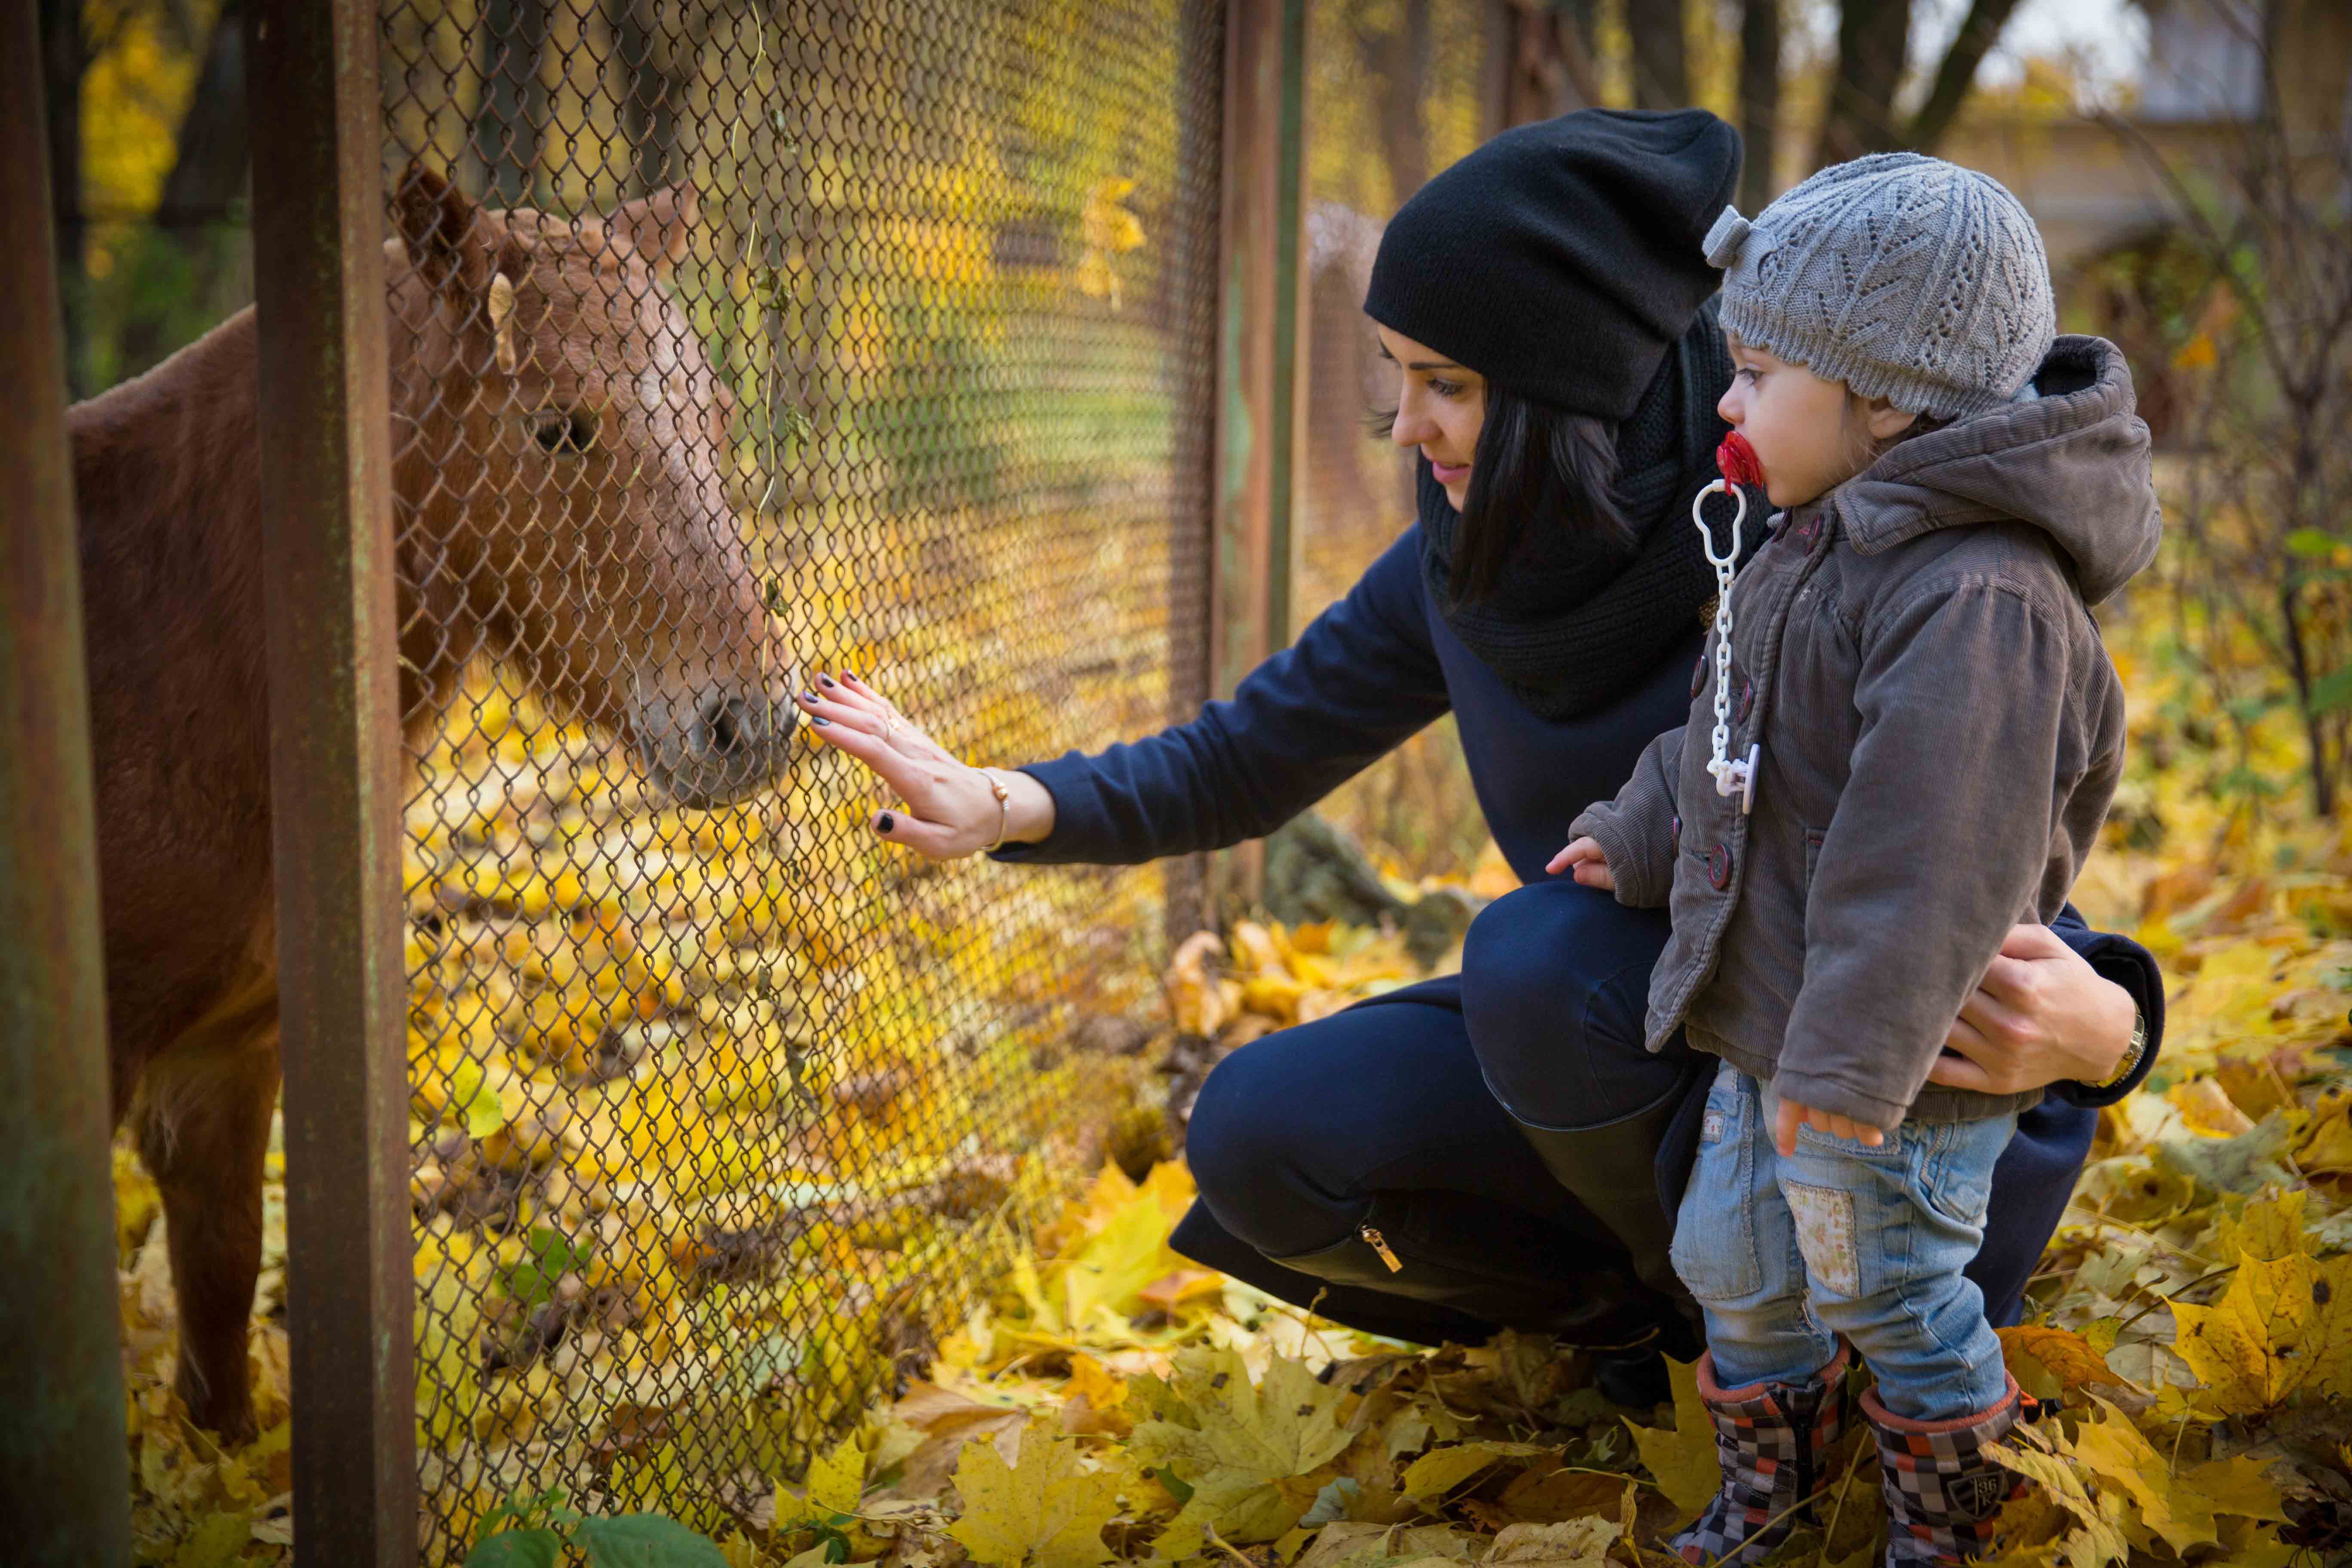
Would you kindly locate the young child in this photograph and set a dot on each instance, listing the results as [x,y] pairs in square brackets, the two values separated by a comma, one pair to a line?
[1909,747]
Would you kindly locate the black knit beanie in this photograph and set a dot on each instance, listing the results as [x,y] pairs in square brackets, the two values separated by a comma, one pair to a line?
[1561,259]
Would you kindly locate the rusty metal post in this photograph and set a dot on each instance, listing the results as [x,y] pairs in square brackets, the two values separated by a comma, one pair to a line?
[1261,349]
[318,262]
[64,1482]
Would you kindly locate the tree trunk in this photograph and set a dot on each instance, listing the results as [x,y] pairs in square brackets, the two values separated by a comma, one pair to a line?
[208,164]
[1759,101]
[195,251]
[1397,61]
[65,59]
[1548,59]
[1661,67]
[501,162]
[1874,42]
[1975,39]
[2323,771]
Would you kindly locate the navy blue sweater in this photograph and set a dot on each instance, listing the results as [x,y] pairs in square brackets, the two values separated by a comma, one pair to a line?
[1367,673]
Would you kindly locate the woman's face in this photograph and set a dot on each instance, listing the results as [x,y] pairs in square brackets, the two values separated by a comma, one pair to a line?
[1439,407]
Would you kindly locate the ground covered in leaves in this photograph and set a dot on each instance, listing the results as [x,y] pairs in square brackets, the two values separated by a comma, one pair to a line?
[2191,1330]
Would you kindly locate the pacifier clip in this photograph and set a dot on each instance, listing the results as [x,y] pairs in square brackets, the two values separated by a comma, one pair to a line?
[1737,461]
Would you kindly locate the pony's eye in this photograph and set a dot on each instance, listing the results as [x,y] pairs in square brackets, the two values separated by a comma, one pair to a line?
[567,432]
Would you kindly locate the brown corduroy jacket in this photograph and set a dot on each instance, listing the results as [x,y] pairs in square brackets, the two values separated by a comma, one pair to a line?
[1941,731]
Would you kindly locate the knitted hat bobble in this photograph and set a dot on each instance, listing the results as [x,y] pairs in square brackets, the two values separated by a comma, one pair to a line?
[1904,277]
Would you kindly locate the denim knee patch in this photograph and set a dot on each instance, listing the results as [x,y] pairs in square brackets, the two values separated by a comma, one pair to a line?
[1824,1217]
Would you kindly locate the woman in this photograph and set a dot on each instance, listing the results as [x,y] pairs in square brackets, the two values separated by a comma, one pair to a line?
[1496,1149]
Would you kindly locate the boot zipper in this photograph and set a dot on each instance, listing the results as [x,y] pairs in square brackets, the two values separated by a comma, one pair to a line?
[1380,1244]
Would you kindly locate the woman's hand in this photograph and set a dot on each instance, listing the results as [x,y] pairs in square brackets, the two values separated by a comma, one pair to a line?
[1583,857]
[2041,1016]
[951,806]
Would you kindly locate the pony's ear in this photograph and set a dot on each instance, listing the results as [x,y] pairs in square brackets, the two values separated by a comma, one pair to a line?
[657,226]
[441,230]
[468,261]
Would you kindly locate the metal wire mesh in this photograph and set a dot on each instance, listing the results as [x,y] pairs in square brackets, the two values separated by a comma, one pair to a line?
[723,1108]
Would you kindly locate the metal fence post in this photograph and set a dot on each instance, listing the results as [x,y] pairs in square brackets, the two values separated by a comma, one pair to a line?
[1261,349]
[64,1480]
[318,235]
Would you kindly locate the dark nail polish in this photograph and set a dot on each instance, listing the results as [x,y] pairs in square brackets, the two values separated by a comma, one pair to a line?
[819,718]
[808,696]
[886,823]
[848,675]
[825,680]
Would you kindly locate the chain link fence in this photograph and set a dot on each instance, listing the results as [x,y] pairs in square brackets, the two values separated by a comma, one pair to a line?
[722,1108]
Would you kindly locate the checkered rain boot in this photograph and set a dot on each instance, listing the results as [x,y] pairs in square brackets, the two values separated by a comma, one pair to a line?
[1774,1439]
[1943,1492]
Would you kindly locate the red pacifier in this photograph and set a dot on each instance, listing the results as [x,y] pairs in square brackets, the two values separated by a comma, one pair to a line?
[1738,462]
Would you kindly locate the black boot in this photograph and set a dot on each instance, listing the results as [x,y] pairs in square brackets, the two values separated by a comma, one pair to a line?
[1611,1171]
[1497,1268]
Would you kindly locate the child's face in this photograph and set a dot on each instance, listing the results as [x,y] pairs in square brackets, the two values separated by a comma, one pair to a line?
[1811,435]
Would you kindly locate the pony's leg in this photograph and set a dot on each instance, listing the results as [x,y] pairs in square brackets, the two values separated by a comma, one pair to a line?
[203,1118]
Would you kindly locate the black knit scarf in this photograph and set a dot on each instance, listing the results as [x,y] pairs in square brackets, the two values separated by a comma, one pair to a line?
[1572,622]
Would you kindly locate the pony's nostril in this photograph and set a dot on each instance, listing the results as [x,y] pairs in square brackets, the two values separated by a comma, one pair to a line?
[730,727]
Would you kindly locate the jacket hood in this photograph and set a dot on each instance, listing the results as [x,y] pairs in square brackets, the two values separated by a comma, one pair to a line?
[2074,462]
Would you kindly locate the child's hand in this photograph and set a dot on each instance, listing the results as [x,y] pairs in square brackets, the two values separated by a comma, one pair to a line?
[1793,1116]
[1584,857]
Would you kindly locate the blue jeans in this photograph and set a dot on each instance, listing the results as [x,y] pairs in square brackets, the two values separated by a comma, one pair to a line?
[1786,1255]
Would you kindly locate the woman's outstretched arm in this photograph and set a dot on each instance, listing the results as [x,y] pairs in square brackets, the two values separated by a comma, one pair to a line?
[1357,681]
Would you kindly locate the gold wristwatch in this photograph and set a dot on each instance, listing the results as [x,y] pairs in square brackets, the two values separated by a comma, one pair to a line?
[2132,1054]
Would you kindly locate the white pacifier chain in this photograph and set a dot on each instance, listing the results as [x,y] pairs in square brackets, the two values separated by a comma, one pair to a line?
[1731,778]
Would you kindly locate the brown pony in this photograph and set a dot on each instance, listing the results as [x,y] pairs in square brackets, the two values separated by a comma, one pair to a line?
[557,432]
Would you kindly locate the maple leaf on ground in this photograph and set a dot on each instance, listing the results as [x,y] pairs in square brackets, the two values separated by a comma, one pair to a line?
[2270,1228]
[1250,1454]
[2098,1537]
[1359,1545]
[2069,1359]
[927,1431]
[2112,1448]
[1569,1545]
[2283,1326]
[2245,1163]
[1440,1471]
[1683,1461]
[1048,1511]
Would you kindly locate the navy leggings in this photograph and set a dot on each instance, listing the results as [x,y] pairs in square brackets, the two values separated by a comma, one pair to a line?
[1416,1092]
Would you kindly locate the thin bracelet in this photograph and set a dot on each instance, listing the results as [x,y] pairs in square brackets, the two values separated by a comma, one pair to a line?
[1003,810]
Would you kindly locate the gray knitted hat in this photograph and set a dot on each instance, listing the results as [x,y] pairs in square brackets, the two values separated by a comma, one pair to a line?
[1904,277]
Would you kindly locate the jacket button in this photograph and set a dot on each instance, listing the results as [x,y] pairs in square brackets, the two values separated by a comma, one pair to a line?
[1718,868]
[1699,675]
[1746,698]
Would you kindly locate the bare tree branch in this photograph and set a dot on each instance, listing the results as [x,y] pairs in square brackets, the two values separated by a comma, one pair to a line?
[1978,33]
[1661,62]
[1874,44]
[1759,100]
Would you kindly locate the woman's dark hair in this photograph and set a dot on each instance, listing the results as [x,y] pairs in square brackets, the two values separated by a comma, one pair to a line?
[1535,465]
